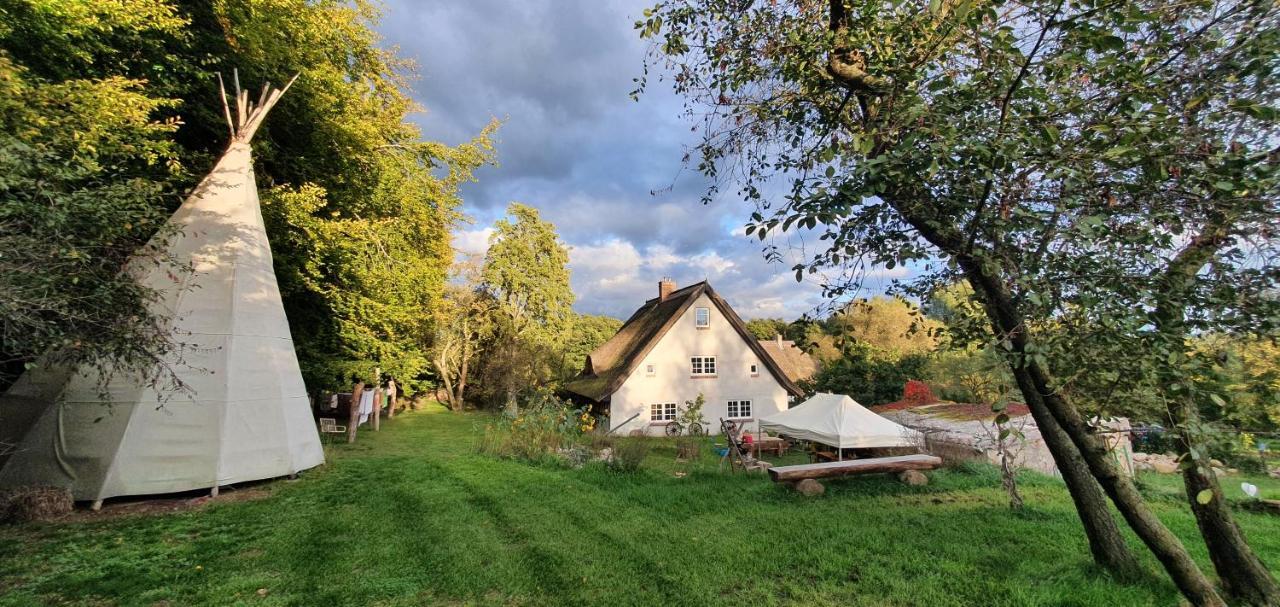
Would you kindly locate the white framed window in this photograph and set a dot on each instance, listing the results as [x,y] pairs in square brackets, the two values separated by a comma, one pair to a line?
[650,370]
[662,412]
[755,369]
[702,317]
[703,365]
[739,408]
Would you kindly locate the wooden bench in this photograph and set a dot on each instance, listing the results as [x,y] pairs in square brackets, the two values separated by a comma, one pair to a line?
[875,465]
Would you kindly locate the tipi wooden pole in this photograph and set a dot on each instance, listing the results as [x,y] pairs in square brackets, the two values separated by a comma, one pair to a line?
[354,417]
[378,395]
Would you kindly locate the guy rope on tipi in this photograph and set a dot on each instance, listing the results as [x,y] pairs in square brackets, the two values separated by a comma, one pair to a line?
[244,414]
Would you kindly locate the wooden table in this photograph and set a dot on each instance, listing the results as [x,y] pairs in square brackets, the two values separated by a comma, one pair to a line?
[767,445]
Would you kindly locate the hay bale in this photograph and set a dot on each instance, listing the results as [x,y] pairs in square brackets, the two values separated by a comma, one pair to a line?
[28,504]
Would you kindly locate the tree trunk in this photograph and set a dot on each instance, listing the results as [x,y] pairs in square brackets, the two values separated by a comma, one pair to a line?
[443,368]
[457,398]
[1244,578]
[1037,387]
[1105,541]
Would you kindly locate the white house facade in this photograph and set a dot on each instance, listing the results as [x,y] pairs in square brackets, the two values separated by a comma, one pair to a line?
[681,344]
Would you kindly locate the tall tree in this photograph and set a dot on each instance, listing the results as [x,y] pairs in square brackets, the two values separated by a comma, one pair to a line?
[893,146]
[891,325]
[463,322]
[527,269]
[86,169]
[360,208]
[526,272]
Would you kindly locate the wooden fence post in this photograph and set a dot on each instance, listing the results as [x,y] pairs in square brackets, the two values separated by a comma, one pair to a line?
[353,416]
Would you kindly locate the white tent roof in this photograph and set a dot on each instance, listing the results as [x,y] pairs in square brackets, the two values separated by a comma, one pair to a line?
[247,416]
[839,421]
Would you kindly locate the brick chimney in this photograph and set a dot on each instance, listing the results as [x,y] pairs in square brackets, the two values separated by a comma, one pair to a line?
[778,338]
[665,288]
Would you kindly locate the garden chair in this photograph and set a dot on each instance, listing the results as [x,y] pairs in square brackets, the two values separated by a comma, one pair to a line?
[329,428]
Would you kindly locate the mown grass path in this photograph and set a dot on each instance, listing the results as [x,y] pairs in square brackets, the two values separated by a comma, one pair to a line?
[414,516]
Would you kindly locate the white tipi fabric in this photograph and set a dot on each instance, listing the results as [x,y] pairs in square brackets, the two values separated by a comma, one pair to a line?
[839,421]
[247,417]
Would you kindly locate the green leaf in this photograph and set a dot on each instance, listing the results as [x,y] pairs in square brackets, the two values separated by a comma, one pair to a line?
[1111,43]
[1225,186]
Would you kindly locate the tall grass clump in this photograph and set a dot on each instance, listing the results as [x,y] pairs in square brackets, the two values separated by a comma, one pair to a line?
[628,454]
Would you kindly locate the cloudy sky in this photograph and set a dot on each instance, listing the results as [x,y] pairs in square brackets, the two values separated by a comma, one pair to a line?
[605,169]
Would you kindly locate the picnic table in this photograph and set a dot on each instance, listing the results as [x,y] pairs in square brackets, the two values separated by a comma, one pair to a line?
[768,444]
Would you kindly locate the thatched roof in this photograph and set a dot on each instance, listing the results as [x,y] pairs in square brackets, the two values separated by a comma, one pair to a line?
[609,365]
[795,363]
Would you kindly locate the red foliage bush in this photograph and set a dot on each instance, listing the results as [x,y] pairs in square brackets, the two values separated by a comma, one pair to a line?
[918,393]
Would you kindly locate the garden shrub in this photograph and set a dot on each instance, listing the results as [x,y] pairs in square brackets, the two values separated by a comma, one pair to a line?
[544,427]
[628,454]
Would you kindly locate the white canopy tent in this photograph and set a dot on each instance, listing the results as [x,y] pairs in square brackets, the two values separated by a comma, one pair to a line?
[839,421]
[247,415]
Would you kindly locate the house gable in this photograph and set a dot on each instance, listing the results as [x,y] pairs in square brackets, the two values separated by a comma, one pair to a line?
[609,365]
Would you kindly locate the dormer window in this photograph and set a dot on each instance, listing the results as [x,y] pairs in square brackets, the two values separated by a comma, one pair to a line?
[702,318]
[650,370]
[755,370]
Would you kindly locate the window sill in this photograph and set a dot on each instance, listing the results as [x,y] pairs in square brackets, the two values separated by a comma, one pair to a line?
[739,419]
[707,328]
[663,423]
[708,376]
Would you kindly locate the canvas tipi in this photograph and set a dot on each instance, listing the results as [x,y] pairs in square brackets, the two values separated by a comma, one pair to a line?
[246,414]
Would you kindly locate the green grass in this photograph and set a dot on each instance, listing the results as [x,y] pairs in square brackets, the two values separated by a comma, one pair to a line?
[415,516]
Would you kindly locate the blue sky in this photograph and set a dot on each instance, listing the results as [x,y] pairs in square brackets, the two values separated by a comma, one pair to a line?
[605,169]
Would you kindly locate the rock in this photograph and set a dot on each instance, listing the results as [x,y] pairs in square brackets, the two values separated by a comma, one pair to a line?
[914,478]
[605,454]
[810,488]
[1274,473]
[1219,471]
[1216,463]
[1165,465]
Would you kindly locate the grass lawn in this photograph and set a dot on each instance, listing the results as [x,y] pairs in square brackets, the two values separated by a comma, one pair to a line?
[414,516]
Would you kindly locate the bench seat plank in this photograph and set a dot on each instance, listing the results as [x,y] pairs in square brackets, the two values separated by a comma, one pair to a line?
[876,465]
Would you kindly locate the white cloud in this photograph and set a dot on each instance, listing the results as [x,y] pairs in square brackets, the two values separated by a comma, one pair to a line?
[472,242]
